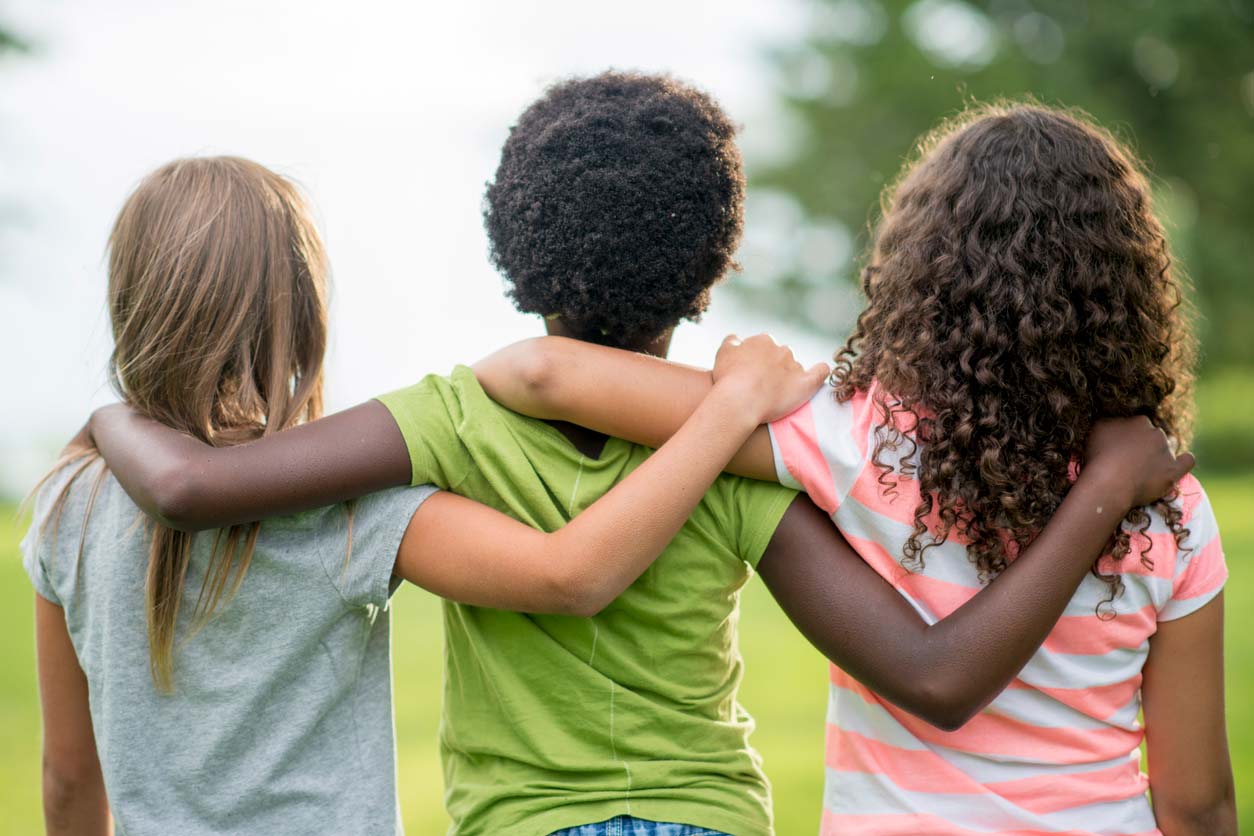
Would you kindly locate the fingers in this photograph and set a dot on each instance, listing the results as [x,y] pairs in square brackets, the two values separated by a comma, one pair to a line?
[1184,463]
[819,372]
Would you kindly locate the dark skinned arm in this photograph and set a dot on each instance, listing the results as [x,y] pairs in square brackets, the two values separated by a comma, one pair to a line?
[946,672]
[186,484]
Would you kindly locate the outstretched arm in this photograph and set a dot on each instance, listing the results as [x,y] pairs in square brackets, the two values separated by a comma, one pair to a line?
[467,552]
[563,379]
[457,548]
[946,672]
[186,484]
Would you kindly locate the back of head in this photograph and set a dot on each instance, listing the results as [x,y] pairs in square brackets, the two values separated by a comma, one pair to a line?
[617,204]
[217,299]
[1020,288]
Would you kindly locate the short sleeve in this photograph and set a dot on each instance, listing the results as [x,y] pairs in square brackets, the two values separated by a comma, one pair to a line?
[374,527]
[35,556]
[54,533]
[820,448]
[757,508]
[428,415]
[1200,570]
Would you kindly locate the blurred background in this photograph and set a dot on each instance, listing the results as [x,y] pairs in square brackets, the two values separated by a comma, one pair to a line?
[392,116]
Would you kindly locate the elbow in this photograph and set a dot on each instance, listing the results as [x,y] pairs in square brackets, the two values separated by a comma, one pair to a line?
[577,592]
[67,788]
[175,497]
[946,705]
[1214,816]
[537,372]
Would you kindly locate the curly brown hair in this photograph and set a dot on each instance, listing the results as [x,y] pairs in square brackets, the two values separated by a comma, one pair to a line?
[1019,288]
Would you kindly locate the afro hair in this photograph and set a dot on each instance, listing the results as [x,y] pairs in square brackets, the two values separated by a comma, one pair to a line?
[618,203]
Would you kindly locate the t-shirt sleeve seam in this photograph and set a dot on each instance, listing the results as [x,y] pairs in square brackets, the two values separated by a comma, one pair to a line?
[1216,577]
[380,585]
[763,526]
[423,467]
[36,567]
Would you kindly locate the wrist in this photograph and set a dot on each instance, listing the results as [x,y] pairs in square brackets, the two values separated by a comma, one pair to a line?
[1107,488]
[735,401]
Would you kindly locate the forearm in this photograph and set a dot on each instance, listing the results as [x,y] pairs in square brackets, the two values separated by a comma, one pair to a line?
[974,653]
[476,555]
[625,394]
[73,785]
[947,671]
[604,549]
[187,484]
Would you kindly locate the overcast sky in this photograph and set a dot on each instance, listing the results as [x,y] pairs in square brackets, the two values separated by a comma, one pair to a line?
[391,115]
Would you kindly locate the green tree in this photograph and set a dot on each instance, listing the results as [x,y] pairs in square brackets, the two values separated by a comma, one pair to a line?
[1176,79]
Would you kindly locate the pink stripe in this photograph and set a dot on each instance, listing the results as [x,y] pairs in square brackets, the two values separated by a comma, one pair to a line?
[941,597]
[1205,572]
[1098,701]
[994,734]
[916,824]
[1191,495]
[865,419]
[1090,635]
[1161,554]
[798,442]
[1051,793]
[920,770]
[897,504]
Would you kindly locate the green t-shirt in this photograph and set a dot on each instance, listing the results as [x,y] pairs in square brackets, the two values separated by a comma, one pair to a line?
[555,721]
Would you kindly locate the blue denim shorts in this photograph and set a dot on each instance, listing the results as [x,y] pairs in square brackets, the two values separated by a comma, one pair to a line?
[630,826]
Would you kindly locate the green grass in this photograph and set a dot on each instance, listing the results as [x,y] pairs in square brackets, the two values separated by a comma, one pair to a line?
[785,688]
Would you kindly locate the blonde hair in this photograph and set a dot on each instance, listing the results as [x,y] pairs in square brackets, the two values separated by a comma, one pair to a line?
[217,299]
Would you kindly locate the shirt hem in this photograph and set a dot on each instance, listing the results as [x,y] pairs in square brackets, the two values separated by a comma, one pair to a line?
[658,810]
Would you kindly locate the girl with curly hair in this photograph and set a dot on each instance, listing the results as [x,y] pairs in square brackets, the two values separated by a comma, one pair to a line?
[1019,290]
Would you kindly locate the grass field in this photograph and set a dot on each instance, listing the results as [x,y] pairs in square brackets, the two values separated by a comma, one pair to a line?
[784,688]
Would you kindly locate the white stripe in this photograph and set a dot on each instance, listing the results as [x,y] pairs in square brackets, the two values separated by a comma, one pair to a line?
[781,470]
[1048,669]
[991,769]
[1037,709]
[950,563]
[833,427]
[849,712]
[860,793]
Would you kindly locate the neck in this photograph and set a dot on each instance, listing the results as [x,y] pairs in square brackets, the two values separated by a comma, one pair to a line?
[589,442]
[659,346]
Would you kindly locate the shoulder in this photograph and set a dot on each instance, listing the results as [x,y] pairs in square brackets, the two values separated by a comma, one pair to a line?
[77,496]
[1195,561]
[433,396]
[824,446]
[65,495]
[747,511]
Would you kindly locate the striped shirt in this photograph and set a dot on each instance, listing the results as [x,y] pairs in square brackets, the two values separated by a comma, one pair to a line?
[1057,751]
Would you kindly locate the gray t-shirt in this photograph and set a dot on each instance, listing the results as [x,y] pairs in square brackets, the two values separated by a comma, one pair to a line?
[281,716]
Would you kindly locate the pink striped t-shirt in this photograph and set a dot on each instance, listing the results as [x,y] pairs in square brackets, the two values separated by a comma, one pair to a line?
[1057,751]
